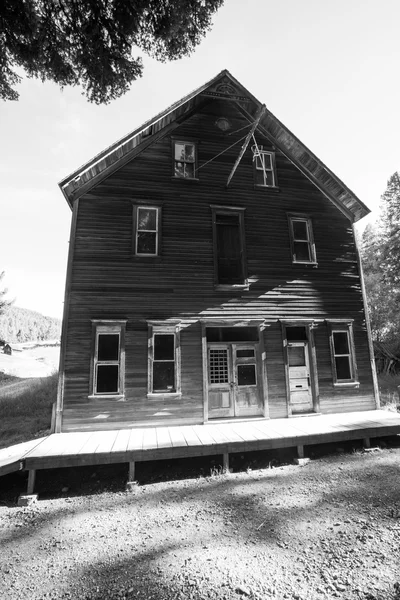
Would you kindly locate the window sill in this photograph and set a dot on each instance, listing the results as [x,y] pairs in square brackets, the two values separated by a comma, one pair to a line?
[107,396]
[192,179]
[164,395]
[347,384]
[270,188]
[227,287]
[146,258]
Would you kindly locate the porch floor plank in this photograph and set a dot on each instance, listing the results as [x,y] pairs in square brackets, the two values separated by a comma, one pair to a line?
[126,445]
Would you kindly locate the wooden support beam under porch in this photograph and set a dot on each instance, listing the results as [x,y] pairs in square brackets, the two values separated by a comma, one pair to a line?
[223,438]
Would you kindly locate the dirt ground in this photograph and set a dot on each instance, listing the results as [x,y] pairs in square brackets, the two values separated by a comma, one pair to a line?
[330,529]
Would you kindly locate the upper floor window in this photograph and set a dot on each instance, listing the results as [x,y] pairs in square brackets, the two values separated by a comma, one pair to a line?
[301,239]
[185,160]
[229,247]
[108,358]
[342,352]
[265,171]
[146,230]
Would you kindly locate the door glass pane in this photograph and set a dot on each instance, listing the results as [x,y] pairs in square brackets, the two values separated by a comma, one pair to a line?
[300,230]
[107,379]
[341,342]
[297,357]
[343,370]
[246,374]
[218,366]
[146,242]
[164,347]
[245,353]
[302,251]
[108,347]
[163,376]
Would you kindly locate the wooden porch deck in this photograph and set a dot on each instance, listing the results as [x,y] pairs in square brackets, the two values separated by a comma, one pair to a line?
[131,445]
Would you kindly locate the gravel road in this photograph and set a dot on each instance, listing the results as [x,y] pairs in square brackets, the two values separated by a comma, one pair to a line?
[330,529]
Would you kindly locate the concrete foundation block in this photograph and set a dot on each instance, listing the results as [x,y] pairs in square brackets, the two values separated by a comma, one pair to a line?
[27,500]
[302,461]
[131,486]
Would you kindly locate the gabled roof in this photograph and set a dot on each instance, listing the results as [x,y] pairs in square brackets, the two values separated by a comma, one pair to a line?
[223,86]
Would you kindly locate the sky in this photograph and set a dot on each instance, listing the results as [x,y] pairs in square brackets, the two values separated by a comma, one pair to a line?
[328,70]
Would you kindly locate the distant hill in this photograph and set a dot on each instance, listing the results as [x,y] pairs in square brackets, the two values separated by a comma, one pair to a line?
[23,325]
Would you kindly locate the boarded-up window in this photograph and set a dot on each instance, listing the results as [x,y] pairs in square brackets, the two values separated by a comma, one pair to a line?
[228,229]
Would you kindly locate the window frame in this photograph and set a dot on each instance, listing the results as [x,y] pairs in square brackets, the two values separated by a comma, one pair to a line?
[343,326]
[164,329]
[108,327]
[195,170]
[272,170]
[239,212]
[310,238]
[158,210]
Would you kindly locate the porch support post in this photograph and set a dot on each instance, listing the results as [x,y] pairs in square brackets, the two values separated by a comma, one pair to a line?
[300,451]
[31,481]
[367,442]
[225,463]
[131,476]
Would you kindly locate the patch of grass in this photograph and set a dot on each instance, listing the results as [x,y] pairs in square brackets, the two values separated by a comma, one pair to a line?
[389,390]
[27,415]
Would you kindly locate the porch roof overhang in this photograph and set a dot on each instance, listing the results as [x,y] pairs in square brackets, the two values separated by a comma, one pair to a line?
[223,86]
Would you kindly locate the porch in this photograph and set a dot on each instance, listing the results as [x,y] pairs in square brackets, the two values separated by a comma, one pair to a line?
[222,437]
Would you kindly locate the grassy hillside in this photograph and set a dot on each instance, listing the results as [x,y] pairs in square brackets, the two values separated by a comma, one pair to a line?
[21,325]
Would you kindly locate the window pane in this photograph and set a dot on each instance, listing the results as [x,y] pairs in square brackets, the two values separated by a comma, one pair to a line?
[147,219]
[302,251]
[300,231]
[189,170]
[218,366]
[247,353]
[297,357]
[341,342]
[146,243]
[179,169]
[269,178]
[343,370]
[189,153]
[267,161]
[163,376]
[296,334]
[107,379]
[246,374]
[180,152]
[108,347]
[260,177]
[164,347]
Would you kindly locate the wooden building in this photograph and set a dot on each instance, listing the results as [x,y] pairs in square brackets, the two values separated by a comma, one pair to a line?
[213,274]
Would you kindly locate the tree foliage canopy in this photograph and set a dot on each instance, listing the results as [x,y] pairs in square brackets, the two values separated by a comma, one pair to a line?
[90,42]
[381,262]
[3,302]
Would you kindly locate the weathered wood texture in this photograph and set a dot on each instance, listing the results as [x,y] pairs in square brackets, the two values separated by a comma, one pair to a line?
[108,282]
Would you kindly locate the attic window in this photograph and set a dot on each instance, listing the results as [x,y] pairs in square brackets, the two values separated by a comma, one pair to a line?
[184,160]
[265,170]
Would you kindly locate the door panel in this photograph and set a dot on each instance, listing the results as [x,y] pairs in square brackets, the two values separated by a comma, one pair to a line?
[299,378]
[233,386]
[220,389]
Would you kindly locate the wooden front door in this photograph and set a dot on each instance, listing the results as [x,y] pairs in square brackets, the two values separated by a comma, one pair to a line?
[233,381]
[301,400]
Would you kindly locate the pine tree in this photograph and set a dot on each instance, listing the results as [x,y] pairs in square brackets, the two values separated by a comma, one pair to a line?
[3,302]
[390,227]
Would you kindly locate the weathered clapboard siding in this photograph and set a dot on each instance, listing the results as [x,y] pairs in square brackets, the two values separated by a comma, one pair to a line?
[108,282]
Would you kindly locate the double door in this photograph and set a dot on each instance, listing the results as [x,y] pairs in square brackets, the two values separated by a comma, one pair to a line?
[234,380]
